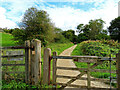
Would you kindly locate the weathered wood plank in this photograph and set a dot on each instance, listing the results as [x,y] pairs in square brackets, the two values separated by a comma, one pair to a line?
[72,85]
[70,77]
[118,70]
[100,79]
[87,60]
[83,78]
[13,64]
[88,76]
[36,61]
[18,52]
[102,70]
[47,53]
[13,47]
[84,57]
[62,57]
[27,61]
[79,87]
[85,69]
[12,56]
[3,72]
[54,68]
[69,68]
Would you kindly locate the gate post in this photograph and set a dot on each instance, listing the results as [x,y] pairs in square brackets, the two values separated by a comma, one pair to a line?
[46,66]
[118,70]
[27,61]
[88,76]
[54,68]
[36,61]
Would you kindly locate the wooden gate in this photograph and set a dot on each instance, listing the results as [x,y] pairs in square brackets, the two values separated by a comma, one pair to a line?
[28,57]
[95,60]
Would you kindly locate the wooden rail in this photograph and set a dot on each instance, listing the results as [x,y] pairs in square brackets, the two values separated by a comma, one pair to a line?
[17,47]
[3,72]
[10,56]
[85,69]
[13,64]
[84,57]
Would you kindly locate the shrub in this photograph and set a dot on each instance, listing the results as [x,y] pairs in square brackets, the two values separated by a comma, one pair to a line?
[98,48]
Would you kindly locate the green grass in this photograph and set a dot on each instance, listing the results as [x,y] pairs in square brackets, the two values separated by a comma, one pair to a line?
[7,40]
[0,39]
[77,50]
[59,47]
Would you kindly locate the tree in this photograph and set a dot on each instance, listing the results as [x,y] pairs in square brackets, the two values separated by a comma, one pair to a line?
[59,37]
[92,29]
[114,29]
[70,35]
[95,28]
[82,37]
[37,24]
[19,35]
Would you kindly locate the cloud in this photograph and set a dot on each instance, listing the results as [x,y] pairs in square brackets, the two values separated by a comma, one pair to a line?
[69,17]
[4,22]
[66,17]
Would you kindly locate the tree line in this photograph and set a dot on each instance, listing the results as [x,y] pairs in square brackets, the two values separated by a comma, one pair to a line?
[37,24]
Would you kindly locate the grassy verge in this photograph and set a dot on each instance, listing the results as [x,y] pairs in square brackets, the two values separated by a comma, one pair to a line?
[7,40]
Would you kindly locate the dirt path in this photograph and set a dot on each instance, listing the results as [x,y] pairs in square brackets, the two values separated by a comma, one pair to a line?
[70,63]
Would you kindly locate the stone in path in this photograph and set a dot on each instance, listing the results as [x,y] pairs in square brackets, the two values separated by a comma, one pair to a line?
[70,63]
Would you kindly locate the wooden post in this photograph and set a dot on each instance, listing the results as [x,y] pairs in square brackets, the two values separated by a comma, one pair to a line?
[54,68]
[27,61]
[36,61]
[88,76]
[118,70]
[46,66]
[0,63]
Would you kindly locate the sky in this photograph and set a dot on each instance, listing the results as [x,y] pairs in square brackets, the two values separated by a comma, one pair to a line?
[65,14]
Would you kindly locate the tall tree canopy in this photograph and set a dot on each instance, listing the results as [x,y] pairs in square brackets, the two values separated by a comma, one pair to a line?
[37,24]
[92,29]
[114,29]
[70,35]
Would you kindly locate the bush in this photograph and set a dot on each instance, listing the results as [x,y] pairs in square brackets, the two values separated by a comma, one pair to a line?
[19,35]
[98,48]
[111,43]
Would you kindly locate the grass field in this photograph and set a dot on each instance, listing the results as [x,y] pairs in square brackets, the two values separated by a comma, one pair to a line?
[7,40]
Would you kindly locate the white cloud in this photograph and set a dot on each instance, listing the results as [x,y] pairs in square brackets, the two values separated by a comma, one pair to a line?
[72,1]
[4,22]
[68,17]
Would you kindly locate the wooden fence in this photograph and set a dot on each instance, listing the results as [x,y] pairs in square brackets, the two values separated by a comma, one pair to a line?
[86,59]
[32,59]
